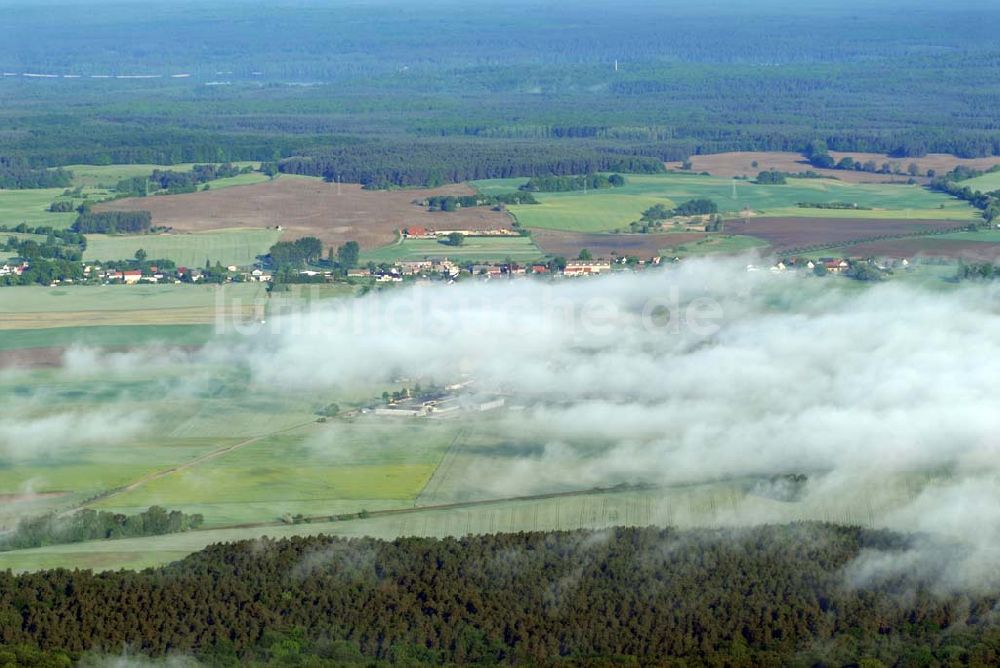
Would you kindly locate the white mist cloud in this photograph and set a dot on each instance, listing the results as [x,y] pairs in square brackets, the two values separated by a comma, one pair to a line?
[700,373]
[29,438]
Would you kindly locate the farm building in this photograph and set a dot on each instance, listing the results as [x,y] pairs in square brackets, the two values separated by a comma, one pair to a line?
[586,267]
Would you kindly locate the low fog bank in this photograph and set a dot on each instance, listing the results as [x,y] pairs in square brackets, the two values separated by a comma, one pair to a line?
[702,372]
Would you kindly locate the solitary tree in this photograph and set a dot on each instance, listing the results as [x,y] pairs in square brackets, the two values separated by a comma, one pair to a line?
[140,255]
[456,239]
[347,254]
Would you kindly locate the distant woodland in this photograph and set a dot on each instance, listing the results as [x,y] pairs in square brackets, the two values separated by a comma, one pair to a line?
[490,89]
[768,596]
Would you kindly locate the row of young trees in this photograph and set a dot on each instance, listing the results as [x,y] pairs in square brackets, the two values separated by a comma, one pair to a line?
[456,202]
[112,222]
[87,524]
[558,184]
[767,596]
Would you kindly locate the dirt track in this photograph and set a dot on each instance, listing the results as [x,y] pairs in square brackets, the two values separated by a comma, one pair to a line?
[308,206]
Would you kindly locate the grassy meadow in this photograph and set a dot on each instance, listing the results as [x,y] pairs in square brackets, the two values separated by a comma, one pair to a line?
[613,209]
[519,249]
[229,247]
[108,176]
[31,207]
[985,183]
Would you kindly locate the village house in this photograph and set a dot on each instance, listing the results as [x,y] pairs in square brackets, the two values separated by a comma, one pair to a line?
[412,267]
[358,273]
[417,232]
[586,267]
[131,276]
[13,269]
[836,266]
[260,276]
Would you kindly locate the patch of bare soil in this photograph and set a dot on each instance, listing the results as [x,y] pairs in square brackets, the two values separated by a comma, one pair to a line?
[305,206]
[788,233]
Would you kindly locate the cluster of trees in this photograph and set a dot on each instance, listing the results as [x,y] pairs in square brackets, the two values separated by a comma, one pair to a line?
[295,253]
[696,207]
[979,271]
[455,202]
[87,524]
[772,595]
[832,205]
[772,177]
[288,257]
[45,272]
[818,154]
[559,184]
[62,206]
[17,174]
[172,182]
[112,222]
[58,244]
[693,207]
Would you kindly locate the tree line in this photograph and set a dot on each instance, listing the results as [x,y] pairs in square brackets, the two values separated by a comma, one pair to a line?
[17,175]
[171,182]
[88,524]
[772,595]
[558,184]
[455,202]
[380,164]
[112,222]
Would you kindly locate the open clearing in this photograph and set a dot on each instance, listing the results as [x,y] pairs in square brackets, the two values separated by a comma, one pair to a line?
[985,183]
[32,207]
[613,209]
[229,247]
[305,206]
[741,164]
[108,176]
[487,249]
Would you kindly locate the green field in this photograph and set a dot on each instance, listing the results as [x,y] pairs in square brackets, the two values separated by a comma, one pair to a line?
[985,183]
[716,243]
[230,247]
[521,249]
[31,207]
[96,311]
[611,209]
[119,298]
[108,176]
[101,336]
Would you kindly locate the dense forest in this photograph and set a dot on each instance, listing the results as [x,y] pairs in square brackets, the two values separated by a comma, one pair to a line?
[426,94]
[765,596]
